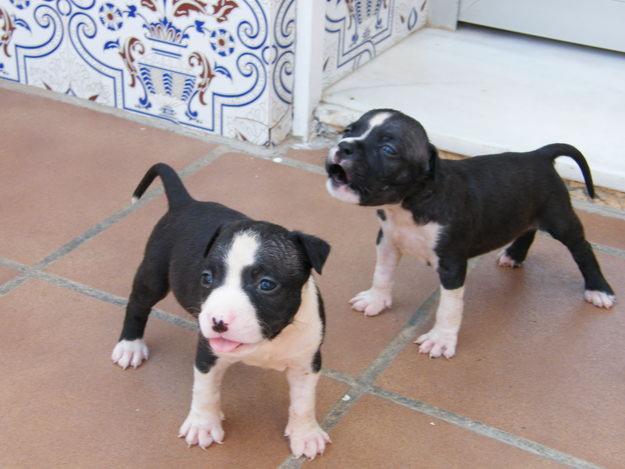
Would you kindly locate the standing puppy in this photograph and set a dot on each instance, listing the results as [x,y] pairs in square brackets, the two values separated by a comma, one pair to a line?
[251,283]
[446,212]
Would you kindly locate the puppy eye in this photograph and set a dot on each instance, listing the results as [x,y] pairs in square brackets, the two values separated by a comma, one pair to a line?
[207,279]
[267,285]
[347,130]
[388,150]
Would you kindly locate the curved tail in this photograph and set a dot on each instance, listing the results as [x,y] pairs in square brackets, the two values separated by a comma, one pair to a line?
[177,194]
[562,149]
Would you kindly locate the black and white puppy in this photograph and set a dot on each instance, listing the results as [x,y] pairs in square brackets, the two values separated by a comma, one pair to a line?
[250,285]
[446,212]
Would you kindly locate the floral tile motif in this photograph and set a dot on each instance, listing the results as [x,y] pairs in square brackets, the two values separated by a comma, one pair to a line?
[358,30]
[222,66]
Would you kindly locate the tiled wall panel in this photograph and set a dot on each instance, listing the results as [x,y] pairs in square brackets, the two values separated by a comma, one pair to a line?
[222,66]
[358,30]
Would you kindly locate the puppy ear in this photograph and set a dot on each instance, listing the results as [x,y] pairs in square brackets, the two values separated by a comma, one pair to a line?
[433,162]
[211,241]
[316,249]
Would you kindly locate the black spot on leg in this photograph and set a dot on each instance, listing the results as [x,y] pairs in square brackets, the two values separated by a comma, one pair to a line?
[205,359]
[316,363]
[381,214]
[380,236]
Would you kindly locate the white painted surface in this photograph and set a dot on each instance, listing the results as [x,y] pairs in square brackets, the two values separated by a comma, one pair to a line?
[444,14]
[598,23]
[480,91]
[308,65]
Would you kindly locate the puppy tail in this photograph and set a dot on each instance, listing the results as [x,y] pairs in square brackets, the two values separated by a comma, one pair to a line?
[177,194]
[562,149]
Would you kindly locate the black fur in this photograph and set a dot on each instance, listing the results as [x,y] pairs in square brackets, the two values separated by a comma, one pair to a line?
[381,214]
[483,203]
[192,238]
[379,237]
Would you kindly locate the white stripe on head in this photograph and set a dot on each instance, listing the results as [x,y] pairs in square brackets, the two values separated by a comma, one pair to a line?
[374,121]
[229,302]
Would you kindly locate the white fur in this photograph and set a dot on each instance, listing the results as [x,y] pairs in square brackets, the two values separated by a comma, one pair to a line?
[306,436]
[442,339]
[343,193]
[504,260]
[599,299]
[228,302]
[375,121]
[292,350]
[130,352]
[401,235]
[203,424]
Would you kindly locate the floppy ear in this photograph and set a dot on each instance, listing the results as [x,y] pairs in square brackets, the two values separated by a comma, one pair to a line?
[316,249]
[211,241]
[433,162]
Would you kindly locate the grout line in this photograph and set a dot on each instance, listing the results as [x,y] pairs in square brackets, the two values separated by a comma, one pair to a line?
[612,251]
[483,429]
[591,207]
[57,280]
[119,215]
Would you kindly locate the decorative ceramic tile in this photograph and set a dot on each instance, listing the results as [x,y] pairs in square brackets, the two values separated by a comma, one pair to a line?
[358,30]
[221,66]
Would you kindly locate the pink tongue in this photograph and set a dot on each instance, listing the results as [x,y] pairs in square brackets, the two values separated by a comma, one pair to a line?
[219,344]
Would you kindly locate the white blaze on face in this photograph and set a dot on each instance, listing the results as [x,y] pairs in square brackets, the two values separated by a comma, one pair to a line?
[375,121]
[229,302]
[342,192]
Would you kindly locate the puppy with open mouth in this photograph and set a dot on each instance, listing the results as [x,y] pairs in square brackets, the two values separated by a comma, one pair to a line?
[250,284]
[445,212]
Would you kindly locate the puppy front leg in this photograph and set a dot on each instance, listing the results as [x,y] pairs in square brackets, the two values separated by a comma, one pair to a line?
[306,436]
[443,337]
[203,424]
[379,296]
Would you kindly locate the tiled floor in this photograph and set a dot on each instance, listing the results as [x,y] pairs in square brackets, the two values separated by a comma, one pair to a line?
[538,381]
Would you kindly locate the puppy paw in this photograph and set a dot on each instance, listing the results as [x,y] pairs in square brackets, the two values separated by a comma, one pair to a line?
[504,260]
[307,440]
[600,299]
[130,352]
[437,343]
[371,302]
[202,430]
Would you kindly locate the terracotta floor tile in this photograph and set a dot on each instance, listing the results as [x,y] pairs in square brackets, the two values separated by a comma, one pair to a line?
[377,433]
[296,199]
[63,168]
[64,403]
[316,156]
[533,359]
[604,230]
[7,274]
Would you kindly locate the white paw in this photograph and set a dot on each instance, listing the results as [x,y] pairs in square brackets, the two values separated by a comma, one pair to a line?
[437,343]
[504,260]
[307,440]
[372,301]
[202,430]
[130,352]
[600,299]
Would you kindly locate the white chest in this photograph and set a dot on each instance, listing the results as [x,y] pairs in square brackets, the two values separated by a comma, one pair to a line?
[411,239]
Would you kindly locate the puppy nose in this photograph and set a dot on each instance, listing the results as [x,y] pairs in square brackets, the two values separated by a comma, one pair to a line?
[346,148]
[219,326]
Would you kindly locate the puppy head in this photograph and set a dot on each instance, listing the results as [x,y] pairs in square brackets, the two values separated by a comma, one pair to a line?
[382,157]
[252,282]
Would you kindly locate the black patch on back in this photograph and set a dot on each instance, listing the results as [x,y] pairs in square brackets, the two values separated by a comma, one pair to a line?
[381,214]
[379,237]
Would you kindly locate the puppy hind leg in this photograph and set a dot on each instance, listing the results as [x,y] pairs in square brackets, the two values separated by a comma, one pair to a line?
[570,232]
[515,254]
[147,290]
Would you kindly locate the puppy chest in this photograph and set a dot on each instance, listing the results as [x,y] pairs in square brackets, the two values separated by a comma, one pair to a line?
[418,241]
